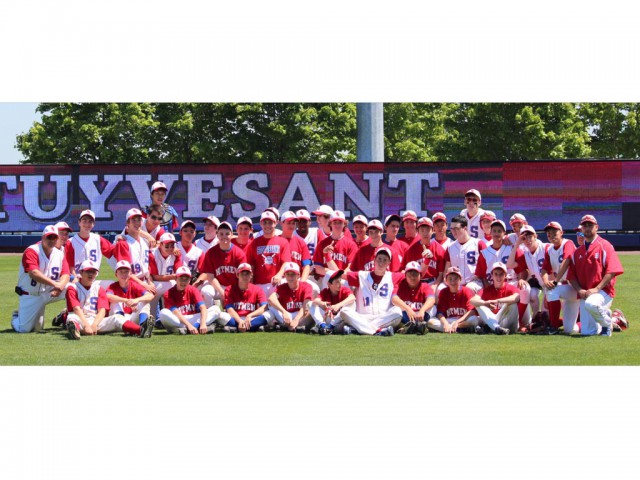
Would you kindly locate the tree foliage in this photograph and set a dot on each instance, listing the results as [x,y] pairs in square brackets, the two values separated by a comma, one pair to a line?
[326,132]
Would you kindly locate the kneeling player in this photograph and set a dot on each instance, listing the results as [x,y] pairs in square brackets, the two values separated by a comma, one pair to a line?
[325,309]
[416,300]
[497,303]
[245,303]
[290,301]
[455,311]
[184,309]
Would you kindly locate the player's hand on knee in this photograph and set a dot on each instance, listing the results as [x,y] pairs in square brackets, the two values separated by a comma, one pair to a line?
[192,330]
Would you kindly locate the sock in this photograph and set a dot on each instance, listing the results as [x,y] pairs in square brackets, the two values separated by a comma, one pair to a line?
[130,327]
[257,322]
[554,313]
[522,308]
[405,317]
[322,325]
[143,318]
[232,323]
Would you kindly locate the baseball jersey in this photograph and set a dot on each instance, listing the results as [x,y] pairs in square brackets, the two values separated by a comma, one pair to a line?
[299,251]
[159,265]
[239,245]
[589,266]
[443,243]
[314,236]
[374,292]
[488,257]
[532,261]
[187,301]
[414,297]
[492,293]
[473,223]
[343,252]
[52,267]
[156,232]
[276,233]
[169,219]
[435,264]
[365,256]
[465,257]
[293,300]
[246,301]
[78,249]
[192,258]
[204,245]
[327,296]
[513,238]
[554,257]
[223,264]
[359,243]
[133,290]
[266,256]
[401,247]
[90,300]
[456,304]
[135,252]
[409,240]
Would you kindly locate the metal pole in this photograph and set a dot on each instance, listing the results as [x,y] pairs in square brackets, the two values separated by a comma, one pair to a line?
[370,146]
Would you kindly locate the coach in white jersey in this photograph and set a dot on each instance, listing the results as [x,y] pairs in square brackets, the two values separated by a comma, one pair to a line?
[210,237]
[473,212]
[463,254]
[42,278]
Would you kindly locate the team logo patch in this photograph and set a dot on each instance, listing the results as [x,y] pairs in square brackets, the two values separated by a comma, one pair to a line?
[597,255]
[268,260]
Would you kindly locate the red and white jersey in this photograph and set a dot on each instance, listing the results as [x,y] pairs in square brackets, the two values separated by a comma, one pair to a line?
[266,256]
[444,243]
[492,293]
[312,239]
[491,255]
[133,290]
[401,247]
[203,245]
[192,258]
[473,223]
[156,233]
[343,294]
[34,258]
[414,297]
[435,264]
[513,238]
[344,251]
[365,256]
[409,240]
[455,304]
[488,240]
[276,233]
[159,265]
[246,301]
[374,292]
[240,246]
[293,300]
[78,249]
[90,300]
[360,244]
[589,266]
[532,261]
[223,264]
[135,252]
[554,257]
[299,251]
[187,301]
[465,257]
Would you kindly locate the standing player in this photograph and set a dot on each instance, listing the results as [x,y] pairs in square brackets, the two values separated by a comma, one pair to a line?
[311,236]
[299,251]
[184,309]
[135,250]
[517,221]
[472,213]
[64,231]
[485,224]
[210,237]
[464,253]
[439,220]
[410,224]
[337,251]
[391,228]
[428,254]
[276,232]
[365,256]
[86,245]
[290,301]
[415,299]
[325,309]
[158,196]
[360,223]
[245,304]
[454,310]
[244,229]
[323,216]
[192,256]
[42,278]
[594,268]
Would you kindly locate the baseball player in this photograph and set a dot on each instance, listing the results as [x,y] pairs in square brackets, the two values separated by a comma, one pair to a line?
[64,231]
[391,229]
[454,310]
[439,220]
[496,303]
[311,236]
[86,245]
[325,309]
[244,230]
[135,250]
[268,255]
[210,237]
[158,196]
[428,254]
[556,262]
[323,216]
[192,256]
[276,231]
[130,300]
[485,224]
[151,229]
[162,267]
[472,213]
[593,272]
[463,254]
[517,221]
[245,304]
[415,299]
[364,259]
[184,309]
[290,301]
[88,304]
[360,224]
[299,251]
[42,278]
[410,224]
[337,251]
[374,313]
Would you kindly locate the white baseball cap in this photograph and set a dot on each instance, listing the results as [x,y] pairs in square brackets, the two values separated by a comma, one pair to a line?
[244,267]
[425,221]
[361,219]
[392,217]
[517,217]
[499,222]
[438,216]
[473,191]
[303,214]
[133,212]
[50,230]
[226,225]
[527,229]
[213,219]
[337,215]
[275,211]
[499,265]
[384,250]
[245,220]
[268,215]
[375,223]
[63,226]
[183,270]
[453,270]
[555,225]
[291,267]
[588,219]
[88,265]
[87,212]
[167,238]
[158,186]
[288,216]
[323,210]
[409,215]
[123,264]
[413,266]
[188,222]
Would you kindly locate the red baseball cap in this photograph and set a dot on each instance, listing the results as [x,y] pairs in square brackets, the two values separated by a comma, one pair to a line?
[425,221]
[555,225]
[439,216]
[409,215]
[588,219]
[244,267]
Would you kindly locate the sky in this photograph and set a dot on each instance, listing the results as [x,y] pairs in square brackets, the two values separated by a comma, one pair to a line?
[15,118]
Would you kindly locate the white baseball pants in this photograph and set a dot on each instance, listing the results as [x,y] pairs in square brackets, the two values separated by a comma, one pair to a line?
[170,321]
[571,305]
[31,308]
[595,313]
[435,323]
[109,324]
[369,324]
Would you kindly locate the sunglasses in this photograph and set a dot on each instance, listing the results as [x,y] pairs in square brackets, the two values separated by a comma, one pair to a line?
[155,218]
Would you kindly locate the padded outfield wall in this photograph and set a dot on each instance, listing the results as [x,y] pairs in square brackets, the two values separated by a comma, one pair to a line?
[34,196]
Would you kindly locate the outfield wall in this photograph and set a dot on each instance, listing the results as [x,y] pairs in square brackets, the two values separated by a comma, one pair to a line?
[34,196]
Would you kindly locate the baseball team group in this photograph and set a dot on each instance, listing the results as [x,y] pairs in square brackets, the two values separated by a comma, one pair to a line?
[326,279]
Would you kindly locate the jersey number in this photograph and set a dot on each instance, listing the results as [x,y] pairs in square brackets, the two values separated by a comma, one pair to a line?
[137,268]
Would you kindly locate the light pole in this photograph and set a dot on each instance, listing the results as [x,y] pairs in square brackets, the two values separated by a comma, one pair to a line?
[370,144]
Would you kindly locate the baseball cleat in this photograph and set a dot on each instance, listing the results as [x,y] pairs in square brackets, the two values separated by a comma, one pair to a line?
[60,320]
[72,331]
[421,328]
[386,332]
[606,331]
[501,331]
[230,329]
[408,328]
[480,330]
[619,320]
[211,328]
[181,331]
[314,331]
[347,330]
[146,329]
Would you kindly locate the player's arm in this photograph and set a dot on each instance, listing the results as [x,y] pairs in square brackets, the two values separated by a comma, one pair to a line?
[398,302]
[564,266]
[204,314]
[39,277]
[145,298]
[461,322]
[85,324]
[426,306]
[306,270]
[606,279]
[546,279]
[183,320]
[340,305]
[275,303]
[102,312]
[148,238]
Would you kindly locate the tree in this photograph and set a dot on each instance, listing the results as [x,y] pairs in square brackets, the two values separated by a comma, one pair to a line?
[614,128]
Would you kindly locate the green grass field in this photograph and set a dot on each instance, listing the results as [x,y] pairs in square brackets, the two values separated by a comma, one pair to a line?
[53,348]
